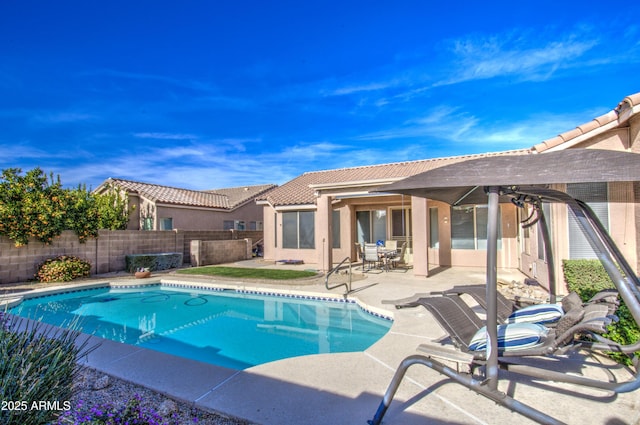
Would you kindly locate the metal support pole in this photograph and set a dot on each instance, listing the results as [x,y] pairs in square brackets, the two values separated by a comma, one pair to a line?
[548,251]
[492,288]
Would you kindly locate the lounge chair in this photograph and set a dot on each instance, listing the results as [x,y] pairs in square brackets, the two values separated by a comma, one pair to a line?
[467,331]
[511,312]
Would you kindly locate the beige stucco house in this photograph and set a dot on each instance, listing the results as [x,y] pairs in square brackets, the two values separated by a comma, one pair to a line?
[157,207]
[319,216]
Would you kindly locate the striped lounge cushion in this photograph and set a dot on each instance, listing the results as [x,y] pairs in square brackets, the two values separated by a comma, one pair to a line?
[539,313]
[511,337]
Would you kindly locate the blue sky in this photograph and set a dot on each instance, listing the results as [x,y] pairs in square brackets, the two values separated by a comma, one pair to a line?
[211,94]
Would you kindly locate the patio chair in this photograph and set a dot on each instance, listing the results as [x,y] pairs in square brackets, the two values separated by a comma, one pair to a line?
[360,252]
[371,255]
[399,259]
[391,244]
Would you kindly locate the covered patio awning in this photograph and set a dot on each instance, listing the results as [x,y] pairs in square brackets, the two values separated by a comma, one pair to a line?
[464,182]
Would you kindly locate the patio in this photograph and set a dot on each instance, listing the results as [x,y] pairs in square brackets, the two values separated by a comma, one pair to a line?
[347,388]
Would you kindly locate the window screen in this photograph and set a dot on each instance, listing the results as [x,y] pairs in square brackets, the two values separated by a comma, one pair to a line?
[595,195]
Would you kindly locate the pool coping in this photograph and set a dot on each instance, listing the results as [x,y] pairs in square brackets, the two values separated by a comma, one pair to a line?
[238,287]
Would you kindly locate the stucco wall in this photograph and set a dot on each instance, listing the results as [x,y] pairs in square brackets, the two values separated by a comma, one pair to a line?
[191,218]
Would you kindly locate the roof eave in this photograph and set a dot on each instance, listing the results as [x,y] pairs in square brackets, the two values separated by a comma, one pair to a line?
[191,207]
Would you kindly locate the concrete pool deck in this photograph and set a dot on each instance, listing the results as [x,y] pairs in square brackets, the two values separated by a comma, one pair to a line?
[347,388]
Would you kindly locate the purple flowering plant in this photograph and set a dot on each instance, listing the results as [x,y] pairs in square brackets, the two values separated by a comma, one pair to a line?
[132,413]
[4,322]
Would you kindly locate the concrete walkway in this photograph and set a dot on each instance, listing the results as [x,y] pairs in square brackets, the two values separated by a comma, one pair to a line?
[347,388]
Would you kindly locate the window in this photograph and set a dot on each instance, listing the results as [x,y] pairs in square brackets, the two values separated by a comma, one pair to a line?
[255,225]
[400,222]
[371,226]
[147,223]
[434,233]
[595,195]
[234,225]
[298,230]
[469,227]
[335,223]
[166,223]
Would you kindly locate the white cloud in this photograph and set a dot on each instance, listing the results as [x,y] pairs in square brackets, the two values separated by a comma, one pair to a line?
[165,136]
[63,117]
[360,88]
[455,126]
[523,56]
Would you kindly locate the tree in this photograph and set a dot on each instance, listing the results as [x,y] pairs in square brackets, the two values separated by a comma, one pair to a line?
[113,211]
[31,206]
[82,213]
[34,205]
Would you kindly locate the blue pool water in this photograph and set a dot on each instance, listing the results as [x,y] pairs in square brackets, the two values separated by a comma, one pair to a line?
[225,328]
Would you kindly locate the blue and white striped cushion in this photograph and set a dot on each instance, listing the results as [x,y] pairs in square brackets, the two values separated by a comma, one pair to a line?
[539,313]
[511,337]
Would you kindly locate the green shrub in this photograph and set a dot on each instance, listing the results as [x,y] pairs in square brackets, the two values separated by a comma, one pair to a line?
[586,278]
[63,269]
[38,364]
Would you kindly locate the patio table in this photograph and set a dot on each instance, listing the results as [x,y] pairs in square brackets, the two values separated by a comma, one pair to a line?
[386,254]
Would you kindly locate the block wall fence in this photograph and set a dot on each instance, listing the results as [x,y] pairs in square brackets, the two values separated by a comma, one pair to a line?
[107,252]
[205,253]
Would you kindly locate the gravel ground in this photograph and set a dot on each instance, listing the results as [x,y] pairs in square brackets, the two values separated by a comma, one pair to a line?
[118,392]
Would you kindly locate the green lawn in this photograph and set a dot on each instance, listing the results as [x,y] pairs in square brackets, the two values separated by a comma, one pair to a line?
[249,273]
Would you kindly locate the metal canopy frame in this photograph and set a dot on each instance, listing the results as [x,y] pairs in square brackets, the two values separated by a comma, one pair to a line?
[488,179]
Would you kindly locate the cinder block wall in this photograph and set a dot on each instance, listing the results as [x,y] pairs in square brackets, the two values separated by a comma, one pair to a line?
[204,253]
[105,253]
[116,244]
[21,264]
[216,235]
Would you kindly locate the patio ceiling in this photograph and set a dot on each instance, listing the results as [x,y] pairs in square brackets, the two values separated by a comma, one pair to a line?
[464,182]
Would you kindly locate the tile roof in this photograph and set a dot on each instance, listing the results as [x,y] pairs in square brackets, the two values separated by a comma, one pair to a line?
[226,199]
[241,195]
[299,191]
[617,117]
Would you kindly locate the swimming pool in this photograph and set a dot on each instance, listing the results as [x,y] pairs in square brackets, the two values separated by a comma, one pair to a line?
[223,327]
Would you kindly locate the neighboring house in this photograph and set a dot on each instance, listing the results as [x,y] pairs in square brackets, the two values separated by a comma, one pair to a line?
[318,217]
[157,207]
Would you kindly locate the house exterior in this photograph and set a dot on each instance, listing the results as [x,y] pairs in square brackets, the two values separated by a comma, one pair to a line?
[318,217]
[157,207]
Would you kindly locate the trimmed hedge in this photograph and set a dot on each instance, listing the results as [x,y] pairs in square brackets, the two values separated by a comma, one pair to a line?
[153,262]
[586,278]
